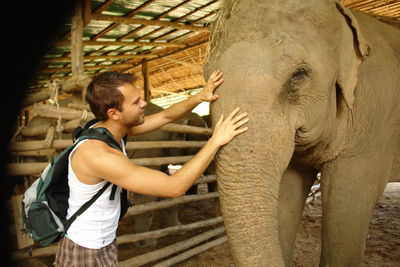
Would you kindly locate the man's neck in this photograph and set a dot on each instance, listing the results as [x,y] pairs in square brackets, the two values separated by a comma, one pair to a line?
[115,129]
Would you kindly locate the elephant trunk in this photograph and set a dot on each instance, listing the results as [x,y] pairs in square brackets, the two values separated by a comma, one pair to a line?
[249,171]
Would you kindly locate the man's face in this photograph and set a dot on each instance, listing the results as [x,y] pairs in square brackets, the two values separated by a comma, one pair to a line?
[133,107]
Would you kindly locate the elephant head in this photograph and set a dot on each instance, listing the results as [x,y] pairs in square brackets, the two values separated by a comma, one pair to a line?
[293,66]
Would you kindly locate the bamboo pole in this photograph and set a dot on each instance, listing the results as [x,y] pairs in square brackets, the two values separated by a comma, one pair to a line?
[36,153]
[135,21]
[131,145]
[190,253]
[37,145]
[146,85]
[48,111]
[207,179]
[78,106]
[159,161]
[125,56]
[169,250]
[150,206]
[97,67]
[76,83]
[123,43]
[30,99]
[76,40]
[129,238]
[34,168]
[48,141]
[173,127]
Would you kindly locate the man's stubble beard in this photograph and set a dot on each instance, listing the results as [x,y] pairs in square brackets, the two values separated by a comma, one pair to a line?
[137,122]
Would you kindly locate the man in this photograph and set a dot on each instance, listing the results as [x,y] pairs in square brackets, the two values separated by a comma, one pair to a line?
[116,102]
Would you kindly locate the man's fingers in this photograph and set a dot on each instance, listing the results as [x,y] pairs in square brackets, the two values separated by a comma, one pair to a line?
[242,130]
[217,83]
[221,118]
[240,123]
[239,117]
[233,113]
[216,75]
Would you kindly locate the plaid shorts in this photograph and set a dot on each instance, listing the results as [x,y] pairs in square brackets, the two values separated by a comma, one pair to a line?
[70,254]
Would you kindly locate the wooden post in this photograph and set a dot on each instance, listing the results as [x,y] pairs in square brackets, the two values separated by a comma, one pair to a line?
[86,12]
[78,82]
[23,239]
[76,40]
[146,86]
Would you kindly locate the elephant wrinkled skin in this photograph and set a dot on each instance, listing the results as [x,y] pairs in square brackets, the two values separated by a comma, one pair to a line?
[321,85]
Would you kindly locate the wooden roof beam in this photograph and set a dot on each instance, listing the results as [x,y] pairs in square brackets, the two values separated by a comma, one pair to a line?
[125,20]
[114,25]
[191,23]
[155,18]
[103,7]
[86,14]
[199,8]
[122,43]
[68,59]
[97,67]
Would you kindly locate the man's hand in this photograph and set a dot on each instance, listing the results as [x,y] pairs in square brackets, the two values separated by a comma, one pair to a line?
[215,80]
[226,129]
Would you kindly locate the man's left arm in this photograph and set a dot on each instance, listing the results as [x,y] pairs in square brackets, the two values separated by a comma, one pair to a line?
[179,110]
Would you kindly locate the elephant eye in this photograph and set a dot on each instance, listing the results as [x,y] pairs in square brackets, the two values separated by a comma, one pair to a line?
[296,79]
[299,74]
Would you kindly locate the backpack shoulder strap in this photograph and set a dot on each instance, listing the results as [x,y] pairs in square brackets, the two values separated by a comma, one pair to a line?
[84,207]
[100,134]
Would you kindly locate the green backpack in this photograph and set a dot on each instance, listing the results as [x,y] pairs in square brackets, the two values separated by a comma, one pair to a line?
[45,202]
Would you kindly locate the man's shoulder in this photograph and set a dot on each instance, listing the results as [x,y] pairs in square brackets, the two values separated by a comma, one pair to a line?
[94,147]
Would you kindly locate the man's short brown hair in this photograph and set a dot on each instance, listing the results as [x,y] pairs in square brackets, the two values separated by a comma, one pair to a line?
[102,93]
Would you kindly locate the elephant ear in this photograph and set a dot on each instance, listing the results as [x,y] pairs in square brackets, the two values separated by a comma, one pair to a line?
[350,59]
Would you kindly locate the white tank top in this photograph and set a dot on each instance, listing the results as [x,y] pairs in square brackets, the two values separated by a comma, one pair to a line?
[97,226]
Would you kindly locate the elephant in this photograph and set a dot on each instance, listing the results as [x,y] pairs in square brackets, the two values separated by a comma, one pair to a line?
[321,85]
[143,221]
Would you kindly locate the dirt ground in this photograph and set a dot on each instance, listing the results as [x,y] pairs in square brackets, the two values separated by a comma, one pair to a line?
[382,249]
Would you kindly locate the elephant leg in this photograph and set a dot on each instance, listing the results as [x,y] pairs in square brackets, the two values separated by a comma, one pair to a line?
[144,221]
[170,216]
[350,187]
[293,191]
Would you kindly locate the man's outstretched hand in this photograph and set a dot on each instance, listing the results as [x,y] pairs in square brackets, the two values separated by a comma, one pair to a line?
[215,80]
[226,129]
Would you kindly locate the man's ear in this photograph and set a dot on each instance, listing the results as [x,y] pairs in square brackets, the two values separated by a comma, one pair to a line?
[353,49]
[113,114]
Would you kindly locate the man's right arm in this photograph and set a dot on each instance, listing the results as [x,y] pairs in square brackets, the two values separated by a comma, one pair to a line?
[114,166]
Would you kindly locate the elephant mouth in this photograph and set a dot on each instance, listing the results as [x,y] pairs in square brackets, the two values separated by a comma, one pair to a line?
[302,143]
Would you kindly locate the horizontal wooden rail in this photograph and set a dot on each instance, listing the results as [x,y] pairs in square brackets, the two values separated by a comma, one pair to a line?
[47,111]
[62,144]
[150,206]
[35,168]
[123,239]
[191,252]
[169,250]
